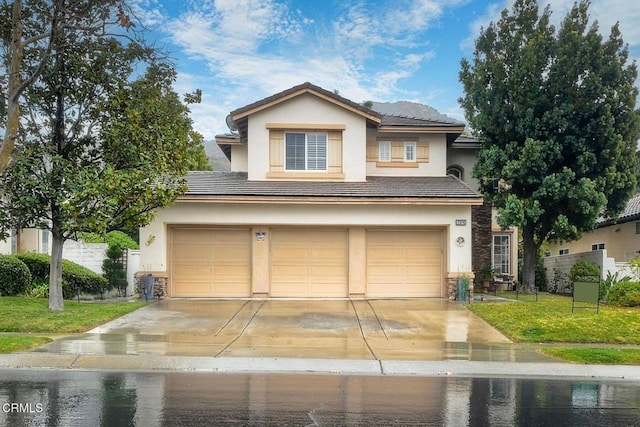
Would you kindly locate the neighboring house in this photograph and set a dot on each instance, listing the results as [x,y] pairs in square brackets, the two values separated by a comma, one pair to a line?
[620,237]
[26,240]
[325,198]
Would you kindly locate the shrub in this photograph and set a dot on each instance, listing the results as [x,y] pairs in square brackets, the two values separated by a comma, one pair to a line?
[584,271]
[74,276]
[14,276]
[113,268]
[625,294]
[38,264]
[112,238]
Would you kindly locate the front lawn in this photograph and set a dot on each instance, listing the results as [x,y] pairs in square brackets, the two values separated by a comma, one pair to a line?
[31,315]
[550,320]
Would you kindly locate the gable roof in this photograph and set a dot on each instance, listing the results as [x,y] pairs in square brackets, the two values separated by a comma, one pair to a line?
[302,89]
[447,189]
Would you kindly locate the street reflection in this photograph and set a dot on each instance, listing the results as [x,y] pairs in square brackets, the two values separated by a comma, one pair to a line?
[70,398]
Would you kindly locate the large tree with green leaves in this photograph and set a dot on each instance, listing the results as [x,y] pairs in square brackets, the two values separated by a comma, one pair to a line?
[556,111]
[100,149]
[35,24]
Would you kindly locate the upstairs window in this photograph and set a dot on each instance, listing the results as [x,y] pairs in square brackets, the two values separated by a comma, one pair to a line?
[409,151]
[306,151]
[597,246]
[384,151]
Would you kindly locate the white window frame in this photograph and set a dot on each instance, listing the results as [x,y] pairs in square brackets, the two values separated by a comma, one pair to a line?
[308,159]
[410,154]
[384,151]
[505,261]
[563,251]
[598,246]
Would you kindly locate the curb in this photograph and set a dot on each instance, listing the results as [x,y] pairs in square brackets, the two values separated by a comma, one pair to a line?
[453,368]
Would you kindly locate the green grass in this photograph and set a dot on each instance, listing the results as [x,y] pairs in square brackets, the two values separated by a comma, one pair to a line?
[596,356]
[550,320]
[32,316]
[11,343]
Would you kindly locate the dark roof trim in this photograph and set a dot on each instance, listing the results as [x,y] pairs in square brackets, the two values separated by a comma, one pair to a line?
[306,88]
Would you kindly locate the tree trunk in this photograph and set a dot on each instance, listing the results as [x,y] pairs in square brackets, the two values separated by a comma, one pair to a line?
[530,255]
[56,301]
[13,106]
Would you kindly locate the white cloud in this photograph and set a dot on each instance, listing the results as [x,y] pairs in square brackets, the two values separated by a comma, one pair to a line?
[254,48]
[606,12]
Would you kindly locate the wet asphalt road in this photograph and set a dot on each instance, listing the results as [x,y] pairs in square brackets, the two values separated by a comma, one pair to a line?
[82,398]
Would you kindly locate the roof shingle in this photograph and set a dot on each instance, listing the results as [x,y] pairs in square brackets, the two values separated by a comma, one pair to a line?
[376,187]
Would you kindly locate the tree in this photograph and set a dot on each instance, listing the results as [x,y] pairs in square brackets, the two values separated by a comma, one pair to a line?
[46,19]
[556,113]
[99,150]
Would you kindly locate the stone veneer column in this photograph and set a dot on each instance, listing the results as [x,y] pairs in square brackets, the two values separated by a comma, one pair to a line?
[481,236]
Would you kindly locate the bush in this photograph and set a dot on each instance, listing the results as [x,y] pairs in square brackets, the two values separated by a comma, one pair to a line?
[625,294]
[584,271]
[38,264]
[15,277]
[74,276]
[112,238]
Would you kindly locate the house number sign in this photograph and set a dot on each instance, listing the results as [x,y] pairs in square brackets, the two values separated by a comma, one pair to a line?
[461,222]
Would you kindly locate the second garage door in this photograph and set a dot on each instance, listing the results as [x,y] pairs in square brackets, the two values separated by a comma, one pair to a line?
[309,263]
[404,263]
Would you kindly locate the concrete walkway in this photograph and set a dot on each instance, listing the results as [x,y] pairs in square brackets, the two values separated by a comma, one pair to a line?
[390,337]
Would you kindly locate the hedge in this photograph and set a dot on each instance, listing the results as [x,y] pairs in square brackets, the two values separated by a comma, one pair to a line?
[15,277]
[74,276]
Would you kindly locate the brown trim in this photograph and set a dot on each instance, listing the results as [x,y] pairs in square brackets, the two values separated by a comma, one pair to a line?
[332,200]
[307,175]
[306,126]
[302,89]
[398,164]
[419,129]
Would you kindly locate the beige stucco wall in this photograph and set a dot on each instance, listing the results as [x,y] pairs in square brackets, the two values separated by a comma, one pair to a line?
[621,242]
[466,158]
[307,109]
[153,238]
[436,166]
[239,158]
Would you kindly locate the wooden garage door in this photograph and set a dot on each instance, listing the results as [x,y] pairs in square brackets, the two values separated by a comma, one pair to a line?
[208,262]
[404,263]
[309,263]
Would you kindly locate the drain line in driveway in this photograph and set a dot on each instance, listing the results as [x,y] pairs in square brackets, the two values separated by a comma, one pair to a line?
[241,331]
[362,330]
[231,319]
[378,320]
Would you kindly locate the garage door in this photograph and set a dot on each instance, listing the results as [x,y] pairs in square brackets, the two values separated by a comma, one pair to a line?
[208,262]
[406,263]
[309,263]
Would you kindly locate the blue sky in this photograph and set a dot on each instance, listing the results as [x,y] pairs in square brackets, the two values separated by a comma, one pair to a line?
[240,51]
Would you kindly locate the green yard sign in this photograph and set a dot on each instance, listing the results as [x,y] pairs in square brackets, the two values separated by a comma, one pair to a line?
[586,292]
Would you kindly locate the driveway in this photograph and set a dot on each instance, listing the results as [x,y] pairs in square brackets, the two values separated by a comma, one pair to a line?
[409,329]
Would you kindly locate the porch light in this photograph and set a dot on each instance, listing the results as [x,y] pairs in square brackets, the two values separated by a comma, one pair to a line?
[260,235]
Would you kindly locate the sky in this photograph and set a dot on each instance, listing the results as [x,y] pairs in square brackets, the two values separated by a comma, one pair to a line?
[240,51]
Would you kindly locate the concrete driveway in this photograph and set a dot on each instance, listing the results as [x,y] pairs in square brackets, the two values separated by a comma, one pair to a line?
[409,329]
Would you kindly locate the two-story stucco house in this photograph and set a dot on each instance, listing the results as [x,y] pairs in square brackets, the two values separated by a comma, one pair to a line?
[325,198]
